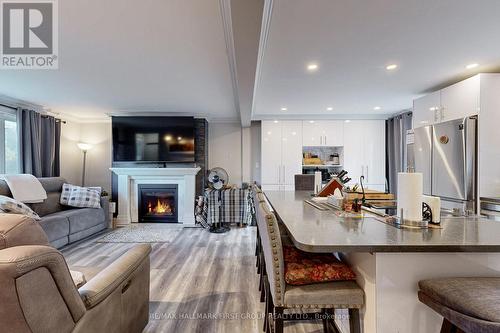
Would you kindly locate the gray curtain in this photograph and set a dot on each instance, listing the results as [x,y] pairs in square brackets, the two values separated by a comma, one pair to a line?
[39,143]
[396,128]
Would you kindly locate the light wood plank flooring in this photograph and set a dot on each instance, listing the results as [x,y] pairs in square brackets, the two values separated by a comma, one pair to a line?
[196,276]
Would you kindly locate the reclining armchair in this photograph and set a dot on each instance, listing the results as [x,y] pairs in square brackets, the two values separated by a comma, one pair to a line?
[39,295]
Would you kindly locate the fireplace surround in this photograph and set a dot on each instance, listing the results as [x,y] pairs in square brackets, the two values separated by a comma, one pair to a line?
[128,183]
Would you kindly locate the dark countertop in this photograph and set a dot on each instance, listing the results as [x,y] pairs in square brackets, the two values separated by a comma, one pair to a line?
[313,230]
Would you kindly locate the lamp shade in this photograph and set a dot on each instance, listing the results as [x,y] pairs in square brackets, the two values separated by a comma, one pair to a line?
[84,146]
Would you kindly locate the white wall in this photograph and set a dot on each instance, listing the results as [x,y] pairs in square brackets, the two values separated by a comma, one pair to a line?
[224,149]
[71,156]
[98,158]
[230,146]
[255,149]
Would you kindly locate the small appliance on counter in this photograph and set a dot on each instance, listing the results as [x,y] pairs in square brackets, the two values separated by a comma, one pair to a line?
[490,207]
[334,159]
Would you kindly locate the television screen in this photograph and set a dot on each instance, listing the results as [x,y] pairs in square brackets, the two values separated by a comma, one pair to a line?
[153,139]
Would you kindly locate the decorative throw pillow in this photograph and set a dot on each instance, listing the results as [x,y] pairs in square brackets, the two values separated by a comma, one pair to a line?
[81,197]
[306,268]
[12,206]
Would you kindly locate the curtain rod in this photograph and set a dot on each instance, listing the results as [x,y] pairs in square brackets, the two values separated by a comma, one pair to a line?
[43,115]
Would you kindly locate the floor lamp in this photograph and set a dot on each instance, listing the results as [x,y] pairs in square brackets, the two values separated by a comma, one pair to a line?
[84,147]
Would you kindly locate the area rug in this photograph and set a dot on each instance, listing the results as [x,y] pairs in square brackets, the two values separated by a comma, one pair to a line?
[143,233]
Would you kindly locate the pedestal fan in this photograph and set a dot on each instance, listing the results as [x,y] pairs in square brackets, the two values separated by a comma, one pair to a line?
[217,180]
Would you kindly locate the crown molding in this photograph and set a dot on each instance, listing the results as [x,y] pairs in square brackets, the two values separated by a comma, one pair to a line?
[267,16]
[19,103]
[227,25]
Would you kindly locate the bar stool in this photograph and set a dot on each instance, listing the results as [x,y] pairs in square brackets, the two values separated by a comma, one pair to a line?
[322,297]
[470,305]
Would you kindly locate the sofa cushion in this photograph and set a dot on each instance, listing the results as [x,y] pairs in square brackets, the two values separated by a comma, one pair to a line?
[474,297]
[16,230]
[55,225]
[305,268]
[81,197]
[84,218]
[48,206]
[12,206]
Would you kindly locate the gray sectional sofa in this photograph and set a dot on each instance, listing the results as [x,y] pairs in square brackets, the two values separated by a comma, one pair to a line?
[64,225]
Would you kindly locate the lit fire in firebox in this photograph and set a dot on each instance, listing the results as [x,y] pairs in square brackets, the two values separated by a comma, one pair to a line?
[160,208]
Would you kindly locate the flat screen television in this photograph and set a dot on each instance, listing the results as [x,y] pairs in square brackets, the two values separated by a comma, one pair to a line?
[153,139]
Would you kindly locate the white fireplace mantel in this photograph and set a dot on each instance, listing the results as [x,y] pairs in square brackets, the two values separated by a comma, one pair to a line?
[129,180]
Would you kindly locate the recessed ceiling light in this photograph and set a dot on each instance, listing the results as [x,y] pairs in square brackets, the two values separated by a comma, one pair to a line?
[471,66]
[391,67]
[284,109]
[347,121]
[275,121]
[376,108]
[312,67]
[329,108]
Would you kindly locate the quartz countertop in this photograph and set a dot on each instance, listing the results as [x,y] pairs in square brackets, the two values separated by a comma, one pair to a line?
[313,230]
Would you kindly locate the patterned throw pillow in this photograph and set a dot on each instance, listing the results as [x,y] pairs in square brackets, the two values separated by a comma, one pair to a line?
[12,206]
[306,268]
[81,197]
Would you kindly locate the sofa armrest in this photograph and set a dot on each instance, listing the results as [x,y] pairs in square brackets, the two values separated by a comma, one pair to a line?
[105,207]
[113,276]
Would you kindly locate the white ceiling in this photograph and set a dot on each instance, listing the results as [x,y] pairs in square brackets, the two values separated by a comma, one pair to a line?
[198,57]
[353,41]
[121,56]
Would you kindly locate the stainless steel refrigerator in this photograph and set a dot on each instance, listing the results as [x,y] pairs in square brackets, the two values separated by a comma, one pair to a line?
[445,154]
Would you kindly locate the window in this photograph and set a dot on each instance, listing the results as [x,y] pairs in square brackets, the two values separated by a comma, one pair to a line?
[9,161]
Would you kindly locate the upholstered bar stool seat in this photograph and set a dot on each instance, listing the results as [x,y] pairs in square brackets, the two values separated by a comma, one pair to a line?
[344,294]
[470,304]
[304,182]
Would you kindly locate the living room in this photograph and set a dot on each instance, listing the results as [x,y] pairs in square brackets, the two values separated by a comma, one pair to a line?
[249,166]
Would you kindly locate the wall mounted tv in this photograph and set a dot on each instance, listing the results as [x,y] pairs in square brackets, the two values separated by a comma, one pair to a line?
[153,139]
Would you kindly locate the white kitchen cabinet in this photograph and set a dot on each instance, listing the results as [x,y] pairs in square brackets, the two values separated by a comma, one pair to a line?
[461,99]
[281,154]
[374,151]
[323,133]
[271,153]
[426,109]
[333,133]
[353,150]
[456,101]
[364,152]
[291,151]
[311,135]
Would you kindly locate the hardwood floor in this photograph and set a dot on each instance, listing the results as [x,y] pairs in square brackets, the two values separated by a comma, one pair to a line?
[197,276]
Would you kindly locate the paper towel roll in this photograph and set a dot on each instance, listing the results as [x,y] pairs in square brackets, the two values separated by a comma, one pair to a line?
[410,188]
[317,182]
[435,204]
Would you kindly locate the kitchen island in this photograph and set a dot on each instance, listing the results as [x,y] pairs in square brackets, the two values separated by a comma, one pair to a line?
[389,261]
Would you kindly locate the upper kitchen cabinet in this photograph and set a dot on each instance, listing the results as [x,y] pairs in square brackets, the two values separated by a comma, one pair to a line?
[426,109]
[456,101]
[323,133]
[461,99]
